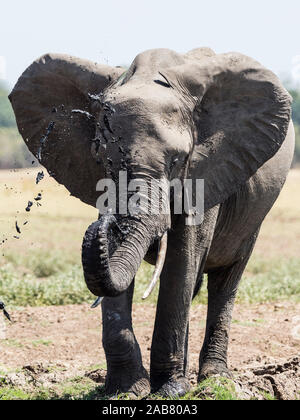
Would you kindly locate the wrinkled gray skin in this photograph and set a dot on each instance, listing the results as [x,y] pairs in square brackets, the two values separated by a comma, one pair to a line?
[221,118]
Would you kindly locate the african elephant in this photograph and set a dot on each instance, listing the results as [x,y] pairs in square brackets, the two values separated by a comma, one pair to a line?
[223,118]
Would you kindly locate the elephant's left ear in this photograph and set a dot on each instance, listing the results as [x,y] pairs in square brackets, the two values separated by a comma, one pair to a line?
[241,114]
[54,103]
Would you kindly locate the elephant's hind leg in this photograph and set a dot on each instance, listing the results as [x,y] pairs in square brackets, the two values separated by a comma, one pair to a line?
[125,371]
[222,287]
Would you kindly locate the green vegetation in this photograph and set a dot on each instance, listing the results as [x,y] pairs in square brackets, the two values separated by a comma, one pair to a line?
[59,289]
[296,118]
[13,150]
[43,267]
[7,118]
[297,145]
[73,389]
[296,105]
[268,397]
[214,389]
[271,280]
[83,388]
[41,342]
[264,281]
[13,393]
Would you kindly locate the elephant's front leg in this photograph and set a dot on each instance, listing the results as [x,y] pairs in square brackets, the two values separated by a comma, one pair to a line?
[125,371]
[168,359]
[187,250]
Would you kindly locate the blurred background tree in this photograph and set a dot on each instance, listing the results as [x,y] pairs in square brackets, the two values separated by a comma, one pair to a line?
[296,118]
[14,153]
[6,115]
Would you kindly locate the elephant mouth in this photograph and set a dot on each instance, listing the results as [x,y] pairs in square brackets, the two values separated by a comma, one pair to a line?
[112,251]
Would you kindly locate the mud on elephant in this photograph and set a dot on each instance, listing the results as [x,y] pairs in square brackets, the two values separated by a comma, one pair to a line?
[221,118]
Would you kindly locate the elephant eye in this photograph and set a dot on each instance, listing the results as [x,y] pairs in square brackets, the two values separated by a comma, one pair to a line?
[164,82]
[160,82]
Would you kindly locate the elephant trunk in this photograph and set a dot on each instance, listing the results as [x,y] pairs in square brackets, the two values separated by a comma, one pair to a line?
[111,255]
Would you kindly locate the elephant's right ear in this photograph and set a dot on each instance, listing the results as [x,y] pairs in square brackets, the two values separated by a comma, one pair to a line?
[53,106]
[241,115]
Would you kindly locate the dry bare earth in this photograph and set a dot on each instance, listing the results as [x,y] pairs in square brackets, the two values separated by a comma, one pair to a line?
[55,343]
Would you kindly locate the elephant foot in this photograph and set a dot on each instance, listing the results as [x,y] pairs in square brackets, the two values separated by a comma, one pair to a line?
[211,368]
[134,384]
[173,388]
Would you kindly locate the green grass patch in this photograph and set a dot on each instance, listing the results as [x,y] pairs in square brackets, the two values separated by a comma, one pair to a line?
[248,323]
[213,389]
[9,342]
[41,263]
[270,281]
[80,388]
[13,393]
[49,279]
[265,281]
[13,150]
[41,342]
[27,290]
[268,397]
[72,389]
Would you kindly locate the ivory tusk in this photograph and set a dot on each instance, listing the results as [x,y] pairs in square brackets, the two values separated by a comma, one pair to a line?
[159,264]
[97,302]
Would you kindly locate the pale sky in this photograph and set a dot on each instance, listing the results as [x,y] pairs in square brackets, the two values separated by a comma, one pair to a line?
[115,31]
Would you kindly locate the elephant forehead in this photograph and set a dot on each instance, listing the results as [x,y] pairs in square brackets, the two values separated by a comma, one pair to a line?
[135,119]
[142,98]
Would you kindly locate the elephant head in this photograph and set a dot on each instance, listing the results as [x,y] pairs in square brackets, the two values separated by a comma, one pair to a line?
[198,115]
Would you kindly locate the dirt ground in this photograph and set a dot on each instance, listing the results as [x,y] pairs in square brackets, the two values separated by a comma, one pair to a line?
[263,354]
